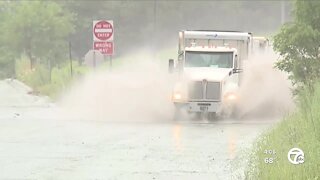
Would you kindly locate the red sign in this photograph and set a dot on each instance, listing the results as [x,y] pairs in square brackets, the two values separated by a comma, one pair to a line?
[104,47]
[103,30]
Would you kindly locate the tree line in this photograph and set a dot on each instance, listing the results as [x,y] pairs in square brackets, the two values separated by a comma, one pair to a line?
[298,43]
[43,30]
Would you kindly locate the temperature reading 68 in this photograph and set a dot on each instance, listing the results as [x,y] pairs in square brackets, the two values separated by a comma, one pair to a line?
[271,153]
[269,160]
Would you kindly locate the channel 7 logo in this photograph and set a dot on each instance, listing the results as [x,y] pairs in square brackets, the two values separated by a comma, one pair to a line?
[296,156]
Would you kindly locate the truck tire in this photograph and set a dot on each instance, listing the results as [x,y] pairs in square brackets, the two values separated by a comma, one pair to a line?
[235,113]
[177,114]
[212,116]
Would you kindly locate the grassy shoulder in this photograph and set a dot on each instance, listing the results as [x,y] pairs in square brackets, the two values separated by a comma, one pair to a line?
[55,83]
[45,83]
[301,130]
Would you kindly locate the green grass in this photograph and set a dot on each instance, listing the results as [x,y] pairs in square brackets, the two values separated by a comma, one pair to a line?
[60,79]
[44,83]
[300,129]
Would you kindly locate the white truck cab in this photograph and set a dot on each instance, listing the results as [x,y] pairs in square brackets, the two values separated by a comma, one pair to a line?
[208,71]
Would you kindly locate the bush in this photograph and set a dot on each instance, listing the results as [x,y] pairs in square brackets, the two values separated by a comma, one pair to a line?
[38,76]
[300,129]
[44,82]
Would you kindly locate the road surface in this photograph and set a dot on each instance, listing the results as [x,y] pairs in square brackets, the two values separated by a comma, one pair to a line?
[35,143]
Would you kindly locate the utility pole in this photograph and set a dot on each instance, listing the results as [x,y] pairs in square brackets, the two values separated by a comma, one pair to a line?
[154,28]
[283,10]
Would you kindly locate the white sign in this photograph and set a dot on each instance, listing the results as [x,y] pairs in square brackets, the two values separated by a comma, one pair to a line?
[93,58]
[102,30]
[105,48]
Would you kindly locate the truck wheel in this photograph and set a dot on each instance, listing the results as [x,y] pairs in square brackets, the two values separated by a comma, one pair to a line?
[235,113]
[177,114]
[212,116]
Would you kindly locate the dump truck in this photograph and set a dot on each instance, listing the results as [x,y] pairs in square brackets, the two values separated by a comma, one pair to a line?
[208,72]
[260,44]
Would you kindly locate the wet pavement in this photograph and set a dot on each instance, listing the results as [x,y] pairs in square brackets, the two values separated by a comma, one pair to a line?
[37,143]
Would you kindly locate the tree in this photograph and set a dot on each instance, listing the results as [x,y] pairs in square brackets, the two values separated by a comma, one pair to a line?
[39,29]
[298,43]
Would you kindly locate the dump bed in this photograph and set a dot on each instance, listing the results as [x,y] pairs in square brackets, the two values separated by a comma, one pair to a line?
[242,41]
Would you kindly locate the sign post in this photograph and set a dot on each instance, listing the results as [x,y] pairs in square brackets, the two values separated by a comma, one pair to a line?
[110,61]
[70,59]
[93,58]
[103,33]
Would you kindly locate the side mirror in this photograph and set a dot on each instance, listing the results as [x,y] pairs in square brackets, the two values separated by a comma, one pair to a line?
[180,66]
[237,71]
[180,62]
[171,65]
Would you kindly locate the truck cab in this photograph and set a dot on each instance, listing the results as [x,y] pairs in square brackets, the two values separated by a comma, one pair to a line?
[208,74]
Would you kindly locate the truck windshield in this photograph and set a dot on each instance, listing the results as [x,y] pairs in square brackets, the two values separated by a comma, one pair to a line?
[209,59]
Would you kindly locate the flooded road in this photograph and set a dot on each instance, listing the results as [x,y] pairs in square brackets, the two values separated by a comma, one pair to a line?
[38,142]
[35,145]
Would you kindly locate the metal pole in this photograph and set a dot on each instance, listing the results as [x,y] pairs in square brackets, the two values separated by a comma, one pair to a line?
[70,58]
[110,61]
[94,59]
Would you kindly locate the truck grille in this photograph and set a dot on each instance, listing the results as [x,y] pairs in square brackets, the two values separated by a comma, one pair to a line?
[203,90]
[196,90]
[213,91]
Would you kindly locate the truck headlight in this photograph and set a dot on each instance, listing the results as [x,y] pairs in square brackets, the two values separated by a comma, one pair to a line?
[177,96]
[230,97]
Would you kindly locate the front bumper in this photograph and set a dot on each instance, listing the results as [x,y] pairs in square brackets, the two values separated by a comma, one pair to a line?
[200,106]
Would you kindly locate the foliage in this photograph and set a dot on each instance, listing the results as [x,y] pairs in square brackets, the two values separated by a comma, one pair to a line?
[84,13]
[7,63]
[44,82]
[35,77]
[140,24]
[6,59]
[37,28]
[300,130]
[41,30]
[299,45]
